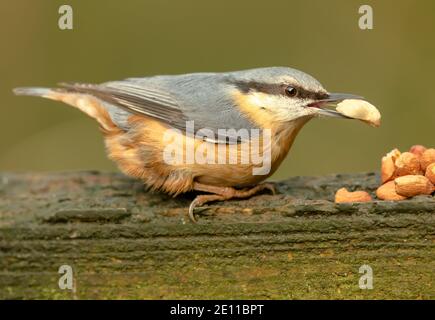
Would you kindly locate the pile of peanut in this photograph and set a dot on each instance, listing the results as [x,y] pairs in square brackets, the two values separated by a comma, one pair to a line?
[403,175]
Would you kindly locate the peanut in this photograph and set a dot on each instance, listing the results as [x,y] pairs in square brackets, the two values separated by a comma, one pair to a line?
[342,196]
[388,167]
[413,185]
[407,164]
[430,172]
[394,154]
[388,192]
[427,158]
[417,149]
[361,110]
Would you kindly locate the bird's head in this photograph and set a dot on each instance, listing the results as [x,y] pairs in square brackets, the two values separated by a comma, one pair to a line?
[281,94]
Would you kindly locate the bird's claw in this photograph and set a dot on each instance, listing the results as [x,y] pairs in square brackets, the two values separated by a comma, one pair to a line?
[227,194]
[192,206]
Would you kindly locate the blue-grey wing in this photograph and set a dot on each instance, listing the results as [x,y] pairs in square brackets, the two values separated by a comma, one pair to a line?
[202,98]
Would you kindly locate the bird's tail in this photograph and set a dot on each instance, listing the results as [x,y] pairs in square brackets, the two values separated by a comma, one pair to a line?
[32,91]
[87,103]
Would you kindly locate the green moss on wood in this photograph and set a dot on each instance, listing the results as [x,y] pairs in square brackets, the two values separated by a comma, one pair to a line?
[125,243]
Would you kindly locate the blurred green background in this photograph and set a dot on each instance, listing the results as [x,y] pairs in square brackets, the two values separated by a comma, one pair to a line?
[393,66]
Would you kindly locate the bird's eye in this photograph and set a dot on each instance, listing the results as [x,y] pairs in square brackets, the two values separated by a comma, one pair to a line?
[291,91]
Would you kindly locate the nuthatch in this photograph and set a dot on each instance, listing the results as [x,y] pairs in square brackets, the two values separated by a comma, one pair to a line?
[135,115]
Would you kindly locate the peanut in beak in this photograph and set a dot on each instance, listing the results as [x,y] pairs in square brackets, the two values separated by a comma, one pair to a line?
[360,110]
[351,109]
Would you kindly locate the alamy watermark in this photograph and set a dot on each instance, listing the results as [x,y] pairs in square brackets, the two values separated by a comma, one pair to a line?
[365,21]
[366,280]
[65,21]
[242,146]
[66,280]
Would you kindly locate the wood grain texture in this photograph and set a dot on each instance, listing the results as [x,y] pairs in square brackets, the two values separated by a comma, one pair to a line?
[125,243]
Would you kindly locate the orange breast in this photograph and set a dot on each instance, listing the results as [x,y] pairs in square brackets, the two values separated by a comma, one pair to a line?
[141,153]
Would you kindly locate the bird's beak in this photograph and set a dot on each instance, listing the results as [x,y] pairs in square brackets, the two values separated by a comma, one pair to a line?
[331,101]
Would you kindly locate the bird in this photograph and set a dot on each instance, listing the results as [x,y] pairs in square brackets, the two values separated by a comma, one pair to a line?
[141,117]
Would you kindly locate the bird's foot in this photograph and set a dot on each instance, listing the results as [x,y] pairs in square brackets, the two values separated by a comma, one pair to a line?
[224,193]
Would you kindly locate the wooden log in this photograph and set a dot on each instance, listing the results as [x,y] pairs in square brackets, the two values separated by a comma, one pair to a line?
[123,242]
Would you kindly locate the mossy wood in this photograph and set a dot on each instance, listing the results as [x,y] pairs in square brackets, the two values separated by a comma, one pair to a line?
[123,242]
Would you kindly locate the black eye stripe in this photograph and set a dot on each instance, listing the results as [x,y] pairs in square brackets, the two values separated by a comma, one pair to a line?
[278,89]
[306,94]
